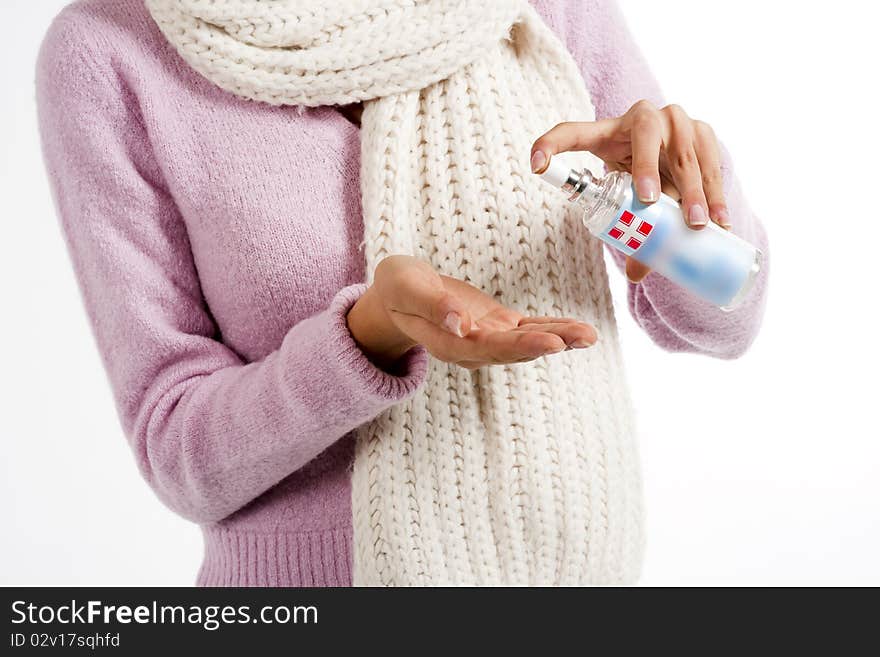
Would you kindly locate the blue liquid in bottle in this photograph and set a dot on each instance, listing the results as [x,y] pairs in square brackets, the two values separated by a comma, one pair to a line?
[713,263]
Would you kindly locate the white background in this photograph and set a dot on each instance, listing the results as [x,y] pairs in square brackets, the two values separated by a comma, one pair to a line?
[761,471]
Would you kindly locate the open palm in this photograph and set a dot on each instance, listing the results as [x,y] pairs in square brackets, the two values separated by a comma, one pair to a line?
[459,323]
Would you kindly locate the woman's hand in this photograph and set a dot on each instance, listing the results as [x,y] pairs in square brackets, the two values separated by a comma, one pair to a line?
[409,303]
[664,149]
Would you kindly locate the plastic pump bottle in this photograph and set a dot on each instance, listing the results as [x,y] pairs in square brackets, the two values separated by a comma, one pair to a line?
[712,263]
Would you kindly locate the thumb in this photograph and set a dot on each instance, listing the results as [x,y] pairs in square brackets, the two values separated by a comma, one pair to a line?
[569,136]
[418,290]
[635,270]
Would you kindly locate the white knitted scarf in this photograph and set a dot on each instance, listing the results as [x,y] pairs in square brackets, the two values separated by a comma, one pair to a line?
[514,474]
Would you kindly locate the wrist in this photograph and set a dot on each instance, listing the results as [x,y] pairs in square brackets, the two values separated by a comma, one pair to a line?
[375,333]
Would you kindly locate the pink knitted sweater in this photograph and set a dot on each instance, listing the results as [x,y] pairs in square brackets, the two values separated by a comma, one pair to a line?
[217,251]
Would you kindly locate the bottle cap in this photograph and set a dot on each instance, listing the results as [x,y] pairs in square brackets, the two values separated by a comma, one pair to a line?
[558,172]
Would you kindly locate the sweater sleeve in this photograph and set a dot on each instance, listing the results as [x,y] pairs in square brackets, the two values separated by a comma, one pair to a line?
[617,76]
[209,431]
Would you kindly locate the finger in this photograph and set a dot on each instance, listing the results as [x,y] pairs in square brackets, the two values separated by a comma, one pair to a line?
[474,364]
[685,168]
[546,320]
[412,287]
[483,346]
[514,346]
[489,346]
[635,270]
[441,343]
[576,335]
[647,139]
[709,158]
[570,136]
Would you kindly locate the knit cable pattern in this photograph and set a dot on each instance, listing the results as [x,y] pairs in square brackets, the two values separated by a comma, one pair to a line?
[515,474]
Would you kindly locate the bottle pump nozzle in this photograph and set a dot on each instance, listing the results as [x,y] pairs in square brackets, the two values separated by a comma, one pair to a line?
[558,173]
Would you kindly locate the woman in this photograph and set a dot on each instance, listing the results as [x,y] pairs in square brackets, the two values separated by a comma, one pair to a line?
[228,174]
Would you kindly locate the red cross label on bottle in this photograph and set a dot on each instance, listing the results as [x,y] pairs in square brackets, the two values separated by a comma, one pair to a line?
[630,230]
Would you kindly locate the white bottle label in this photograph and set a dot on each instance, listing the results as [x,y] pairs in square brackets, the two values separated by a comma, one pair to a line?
[711,262]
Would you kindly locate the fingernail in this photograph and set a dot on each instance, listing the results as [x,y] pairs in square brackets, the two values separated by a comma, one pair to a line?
[452,323]
[724,219]
[539,161]
[697,216]
[647,190]
[583,343]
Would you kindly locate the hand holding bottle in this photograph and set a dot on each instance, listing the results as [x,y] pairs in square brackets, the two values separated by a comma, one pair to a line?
[664,150]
